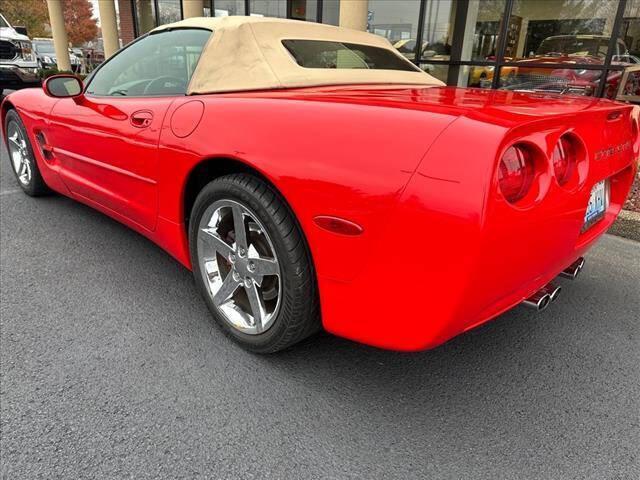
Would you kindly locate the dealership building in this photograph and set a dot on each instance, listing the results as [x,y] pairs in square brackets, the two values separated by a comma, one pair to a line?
[583,47]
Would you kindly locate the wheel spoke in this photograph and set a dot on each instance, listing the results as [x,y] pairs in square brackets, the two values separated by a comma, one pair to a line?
[257,308]
[211,239]
[16,160]
[228,288]
[238,227]
[265,266]
[28,172]
[14,140]
[24,172]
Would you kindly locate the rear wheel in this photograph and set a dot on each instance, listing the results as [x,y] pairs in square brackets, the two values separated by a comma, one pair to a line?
[252,265]
[23,162]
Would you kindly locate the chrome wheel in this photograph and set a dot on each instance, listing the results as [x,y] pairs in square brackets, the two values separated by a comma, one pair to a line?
[239,266]
[19,153]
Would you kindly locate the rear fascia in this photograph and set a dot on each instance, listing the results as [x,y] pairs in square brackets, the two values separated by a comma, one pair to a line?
[456,254]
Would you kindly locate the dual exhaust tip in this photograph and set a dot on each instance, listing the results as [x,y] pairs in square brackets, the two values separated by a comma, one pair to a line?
[549,293]
[543,297]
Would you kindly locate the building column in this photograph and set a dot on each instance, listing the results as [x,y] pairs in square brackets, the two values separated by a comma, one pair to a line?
[109,27]
[59,33]
[192,8]
[353,14]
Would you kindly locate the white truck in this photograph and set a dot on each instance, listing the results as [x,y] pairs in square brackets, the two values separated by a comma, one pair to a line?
[18,62]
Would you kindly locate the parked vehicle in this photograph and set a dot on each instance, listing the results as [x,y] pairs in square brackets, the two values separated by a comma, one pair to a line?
[46,52]
[311,176]
[18,65]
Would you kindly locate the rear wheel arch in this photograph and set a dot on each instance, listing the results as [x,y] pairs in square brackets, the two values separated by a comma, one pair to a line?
[208,170]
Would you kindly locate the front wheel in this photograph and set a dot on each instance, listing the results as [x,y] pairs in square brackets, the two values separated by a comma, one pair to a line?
[23,162]
[252,265]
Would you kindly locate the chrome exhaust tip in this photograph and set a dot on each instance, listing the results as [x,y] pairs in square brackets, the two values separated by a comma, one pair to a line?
[553,291]
[538,301]
[573,270]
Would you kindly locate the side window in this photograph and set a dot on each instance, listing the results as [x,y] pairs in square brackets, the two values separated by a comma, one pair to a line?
[158,64]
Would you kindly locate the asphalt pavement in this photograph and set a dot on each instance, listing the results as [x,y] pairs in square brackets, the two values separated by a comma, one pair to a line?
[110,368]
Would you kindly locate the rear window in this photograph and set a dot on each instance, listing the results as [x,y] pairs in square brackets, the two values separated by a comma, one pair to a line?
[327,54]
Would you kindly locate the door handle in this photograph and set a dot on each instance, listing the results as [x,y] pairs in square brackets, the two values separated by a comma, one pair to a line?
[141,119]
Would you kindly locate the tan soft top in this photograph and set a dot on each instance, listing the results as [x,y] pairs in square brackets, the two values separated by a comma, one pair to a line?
[246,53]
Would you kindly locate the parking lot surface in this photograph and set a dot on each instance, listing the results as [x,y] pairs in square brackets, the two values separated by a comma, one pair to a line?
[110,368]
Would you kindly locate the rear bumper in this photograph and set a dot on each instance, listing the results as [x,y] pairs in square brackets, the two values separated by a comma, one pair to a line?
[15,77]
[459,269]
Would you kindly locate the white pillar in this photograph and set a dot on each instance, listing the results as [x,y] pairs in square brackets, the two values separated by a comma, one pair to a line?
[59,33]
[109,27]
[192,8]
[353,14]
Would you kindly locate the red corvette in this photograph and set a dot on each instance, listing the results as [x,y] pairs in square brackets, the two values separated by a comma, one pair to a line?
[311,177]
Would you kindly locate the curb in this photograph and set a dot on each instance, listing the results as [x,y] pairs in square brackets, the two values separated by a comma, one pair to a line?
[627,225]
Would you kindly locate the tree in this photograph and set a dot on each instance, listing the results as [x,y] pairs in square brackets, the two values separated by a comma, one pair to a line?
[78,21]
[32,14]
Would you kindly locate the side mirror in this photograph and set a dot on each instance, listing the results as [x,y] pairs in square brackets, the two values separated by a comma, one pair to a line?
[21,30]
[63,86]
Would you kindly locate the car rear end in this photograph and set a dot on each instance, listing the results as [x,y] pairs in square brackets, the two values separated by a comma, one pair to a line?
[509,196]
[557,187]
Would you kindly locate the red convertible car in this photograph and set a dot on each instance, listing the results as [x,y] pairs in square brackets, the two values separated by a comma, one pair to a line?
[312,177]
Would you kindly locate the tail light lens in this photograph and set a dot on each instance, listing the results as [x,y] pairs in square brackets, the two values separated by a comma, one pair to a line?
[516,173]
[564,160]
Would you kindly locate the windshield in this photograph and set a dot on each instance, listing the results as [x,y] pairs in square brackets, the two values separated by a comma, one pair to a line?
[596,47]
[43,47]
[3,23]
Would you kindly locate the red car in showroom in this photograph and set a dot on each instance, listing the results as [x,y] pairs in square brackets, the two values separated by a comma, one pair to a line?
[561,51]
[312,177]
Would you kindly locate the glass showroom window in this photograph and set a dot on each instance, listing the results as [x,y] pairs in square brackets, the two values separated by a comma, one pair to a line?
[145,16]
[396,20]
[630,33]
[224,8]
[482,22]
[268,8]
[437,37]
[568,36]
[331,12]
[304,10]
[169,11]
[482,29]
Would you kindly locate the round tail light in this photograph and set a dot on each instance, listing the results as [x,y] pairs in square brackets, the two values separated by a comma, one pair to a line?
[564,160]
[516,173]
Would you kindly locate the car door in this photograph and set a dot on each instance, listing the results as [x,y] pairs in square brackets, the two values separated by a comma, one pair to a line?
[106,142]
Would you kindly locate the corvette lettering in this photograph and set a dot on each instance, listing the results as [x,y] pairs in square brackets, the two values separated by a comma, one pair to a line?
[611,151]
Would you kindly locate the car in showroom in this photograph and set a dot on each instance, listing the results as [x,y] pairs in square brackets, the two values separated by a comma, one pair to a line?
[18,63]
[312,177]
[554,71]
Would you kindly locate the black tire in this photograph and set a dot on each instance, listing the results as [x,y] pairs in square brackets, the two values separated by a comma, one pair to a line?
[298,317]
[36,185]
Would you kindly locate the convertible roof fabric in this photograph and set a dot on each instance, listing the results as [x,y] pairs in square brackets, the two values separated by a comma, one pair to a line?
[246,53]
